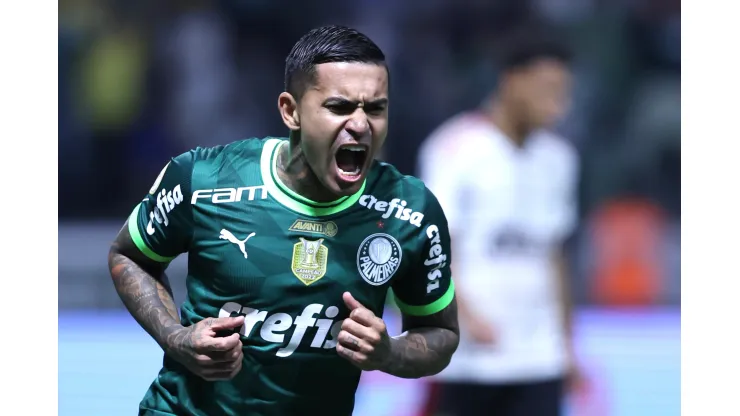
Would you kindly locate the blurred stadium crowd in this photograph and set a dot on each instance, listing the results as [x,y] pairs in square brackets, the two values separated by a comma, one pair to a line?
[142,81]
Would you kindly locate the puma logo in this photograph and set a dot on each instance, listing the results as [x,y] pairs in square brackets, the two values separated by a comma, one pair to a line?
[227,235]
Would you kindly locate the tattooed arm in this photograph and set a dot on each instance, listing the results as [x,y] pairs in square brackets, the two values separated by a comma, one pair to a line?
[426,345]
[144,289]
[424,349]
[159,229]
[427,301]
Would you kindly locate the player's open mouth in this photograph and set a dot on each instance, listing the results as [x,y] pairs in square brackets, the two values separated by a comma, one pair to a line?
[350,161]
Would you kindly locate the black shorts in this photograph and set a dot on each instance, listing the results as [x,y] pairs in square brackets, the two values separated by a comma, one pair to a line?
[541,398]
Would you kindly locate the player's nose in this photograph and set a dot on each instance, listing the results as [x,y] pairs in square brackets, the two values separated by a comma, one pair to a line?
[357,125]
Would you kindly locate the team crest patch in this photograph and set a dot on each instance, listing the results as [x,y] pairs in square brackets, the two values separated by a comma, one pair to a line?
[378,258]
[309,260]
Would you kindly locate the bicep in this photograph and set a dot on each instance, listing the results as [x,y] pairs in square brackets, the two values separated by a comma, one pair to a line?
[124,250]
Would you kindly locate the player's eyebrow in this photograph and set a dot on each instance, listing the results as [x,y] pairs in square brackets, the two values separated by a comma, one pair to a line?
[340,101]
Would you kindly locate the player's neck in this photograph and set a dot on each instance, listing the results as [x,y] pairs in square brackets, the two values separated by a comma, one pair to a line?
[295,173]
[506,120]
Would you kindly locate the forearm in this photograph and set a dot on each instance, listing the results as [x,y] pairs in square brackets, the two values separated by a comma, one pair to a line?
[421,352]
[426,345]
[148,299]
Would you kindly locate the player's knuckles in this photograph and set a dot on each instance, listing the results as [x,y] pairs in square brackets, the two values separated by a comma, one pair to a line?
[231,343]
[204,343]
[207,323]
[215,345]
[355,343]
[345,352]
[345,337]
[380,326]
[236,355]
[203,360]
[208,375]
[360,358]
[225,344]
[367,349]
[209,364]
[353,327]
[373,338]
[238,358]
[362,314]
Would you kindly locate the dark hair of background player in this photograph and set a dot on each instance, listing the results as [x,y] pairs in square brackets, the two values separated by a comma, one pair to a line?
[324,45]
[529,44]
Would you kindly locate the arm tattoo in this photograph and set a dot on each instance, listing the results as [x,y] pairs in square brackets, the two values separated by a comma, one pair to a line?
[144,289]
[427,344]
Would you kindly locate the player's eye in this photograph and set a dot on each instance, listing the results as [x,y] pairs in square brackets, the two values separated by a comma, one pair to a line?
[341,108]
[375,110]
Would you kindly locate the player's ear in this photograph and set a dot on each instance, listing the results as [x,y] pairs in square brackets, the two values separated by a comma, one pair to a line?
[288,107]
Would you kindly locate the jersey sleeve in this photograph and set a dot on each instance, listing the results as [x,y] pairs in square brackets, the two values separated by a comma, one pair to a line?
[428,287]
[161,225]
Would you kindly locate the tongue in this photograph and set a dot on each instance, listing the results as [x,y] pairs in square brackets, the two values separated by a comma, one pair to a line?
[346,161]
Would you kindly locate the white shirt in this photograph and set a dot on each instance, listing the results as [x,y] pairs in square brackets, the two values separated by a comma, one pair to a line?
[508,209]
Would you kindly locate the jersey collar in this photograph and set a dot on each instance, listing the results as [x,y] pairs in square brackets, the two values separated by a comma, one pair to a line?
[291,200]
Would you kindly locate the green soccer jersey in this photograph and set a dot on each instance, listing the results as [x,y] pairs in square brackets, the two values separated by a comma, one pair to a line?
[258,249]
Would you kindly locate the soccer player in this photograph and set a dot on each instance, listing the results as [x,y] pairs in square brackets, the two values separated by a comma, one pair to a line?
[508,186]
[292,246]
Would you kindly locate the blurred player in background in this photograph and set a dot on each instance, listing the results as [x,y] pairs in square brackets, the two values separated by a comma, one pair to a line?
[508,188]
[293,244]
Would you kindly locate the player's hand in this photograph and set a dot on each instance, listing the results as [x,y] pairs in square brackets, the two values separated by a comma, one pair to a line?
[364,339]
[211,357]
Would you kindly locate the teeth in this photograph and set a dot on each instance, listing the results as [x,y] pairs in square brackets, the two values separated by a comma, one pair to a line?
[355,173]
[354,148]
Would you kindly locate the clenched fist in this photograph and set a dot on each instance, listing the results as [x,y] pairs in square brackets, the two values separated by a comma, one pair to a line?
[364,339]
[198,348]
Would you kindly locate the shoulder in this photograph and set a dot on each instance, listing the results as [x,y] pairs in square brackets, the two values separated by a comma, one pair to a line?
[241,151]
[243,148]
[455,135]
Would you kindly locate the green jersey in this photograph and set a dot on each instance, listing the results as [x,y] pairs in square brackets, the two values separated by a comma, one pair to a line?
[257,249]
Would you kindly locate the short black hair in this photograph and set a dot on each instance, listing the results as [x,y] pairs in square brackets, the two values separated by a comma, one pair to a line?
[323,45]
[530,43]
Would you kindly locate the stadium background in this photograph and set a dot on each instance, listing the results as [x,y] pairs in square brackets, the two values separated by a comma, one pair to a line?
[141,81]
